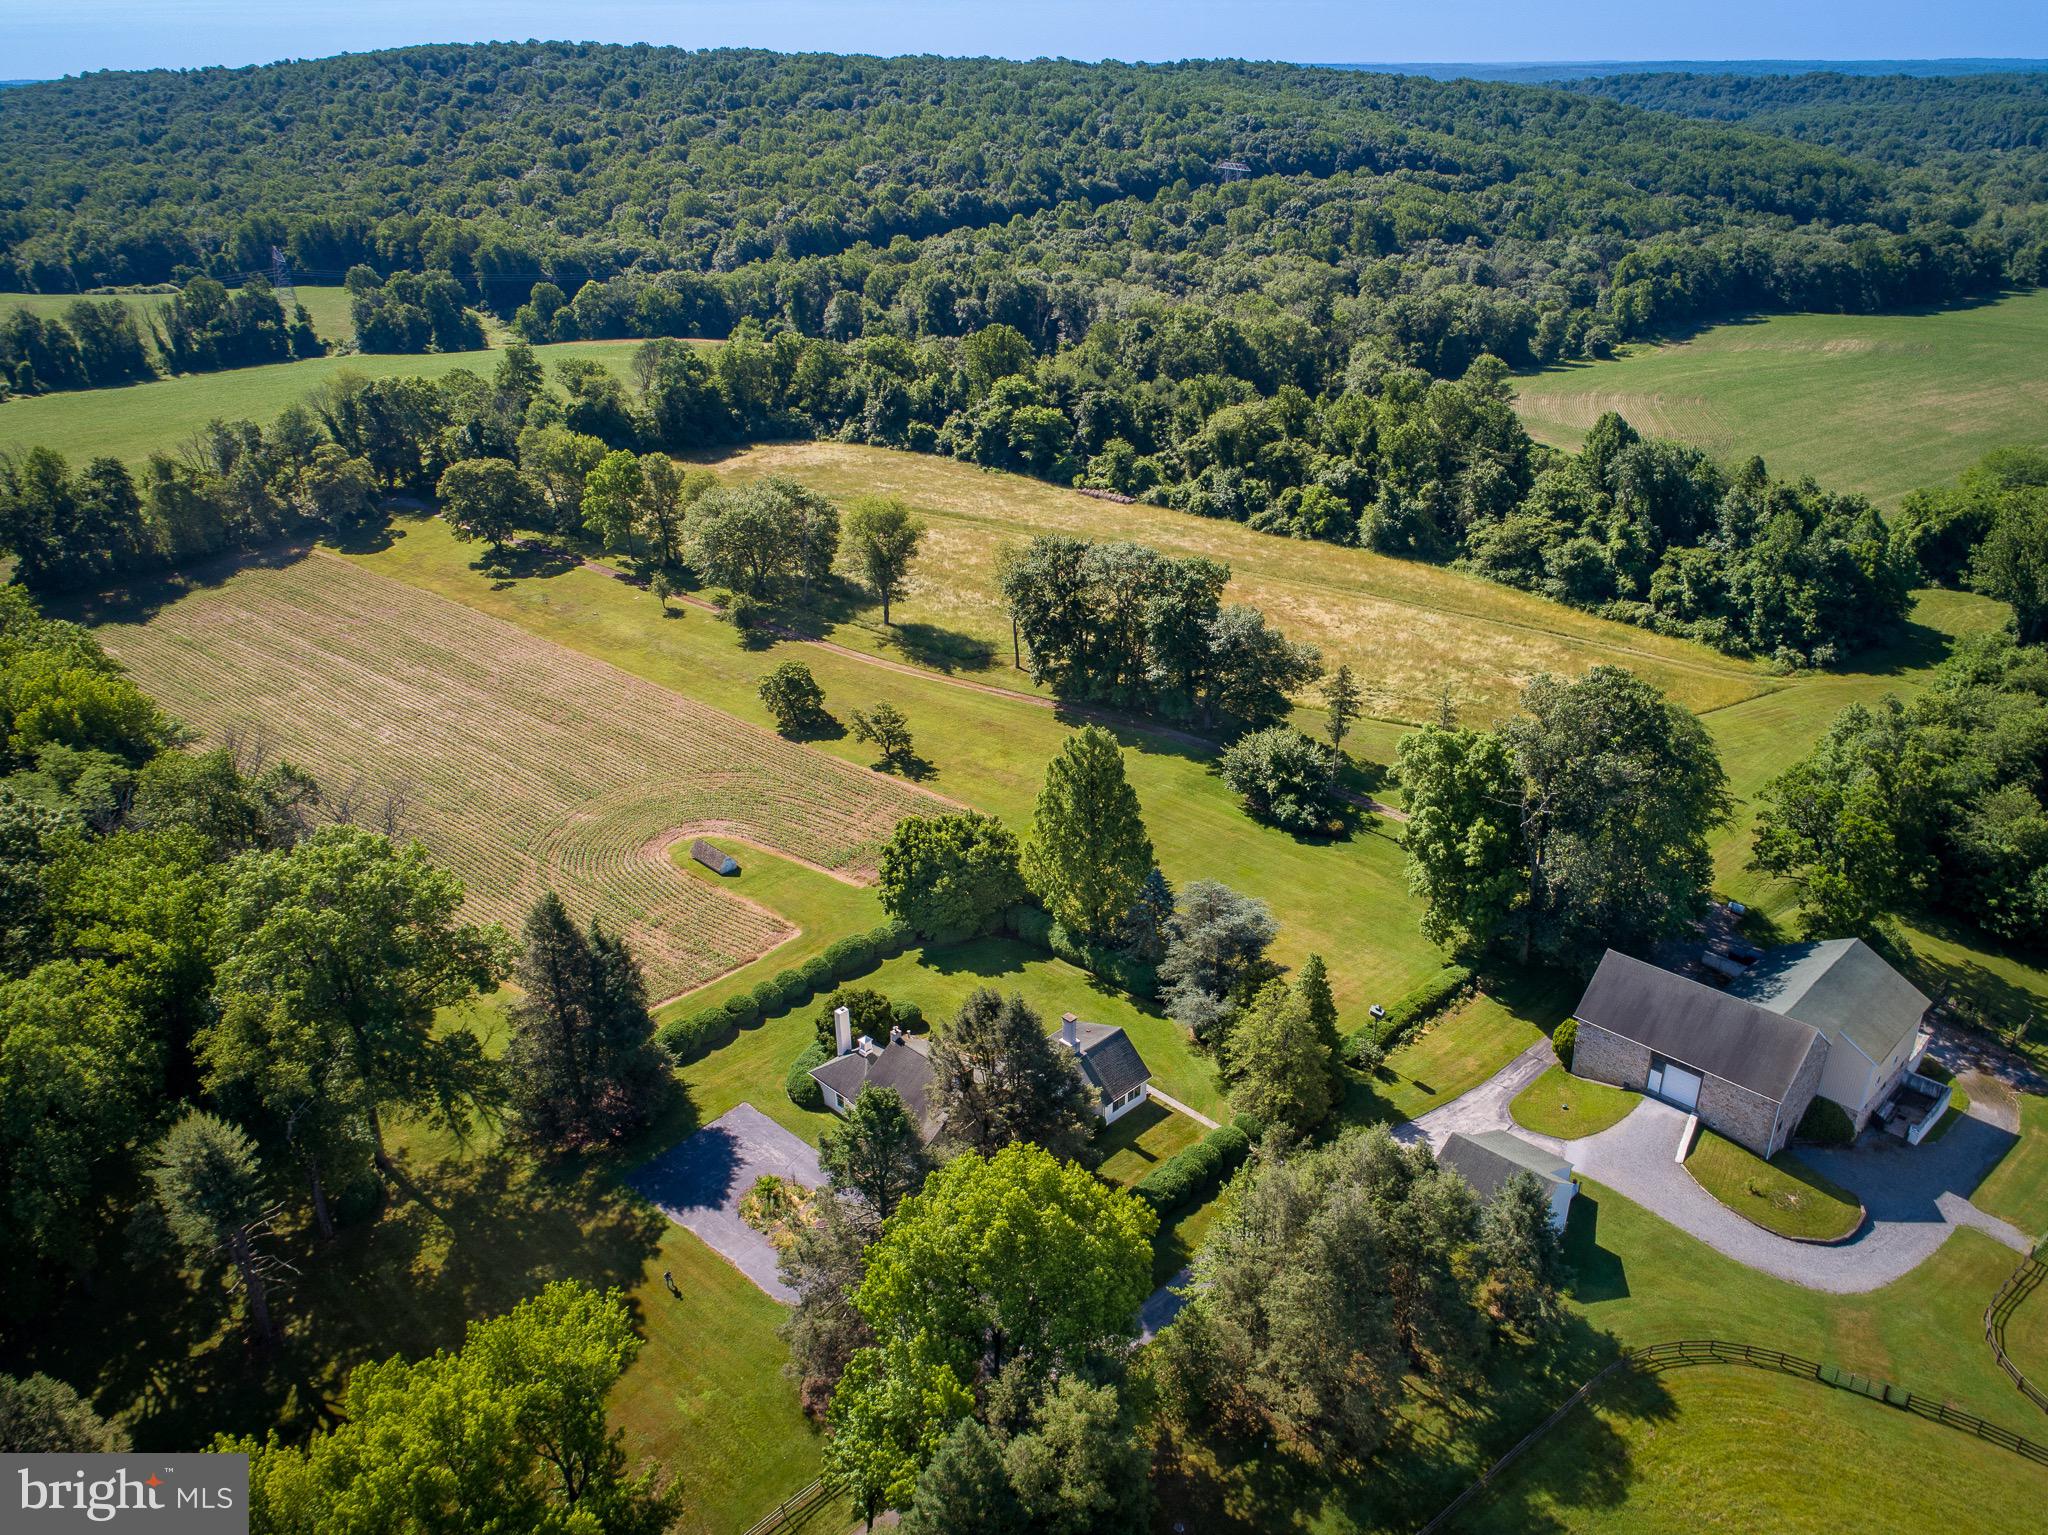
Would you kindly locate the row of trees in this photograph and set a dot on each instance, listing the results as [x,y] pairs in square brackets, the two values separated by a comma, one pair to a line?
[1988,532]
[1940,803]
[97,343]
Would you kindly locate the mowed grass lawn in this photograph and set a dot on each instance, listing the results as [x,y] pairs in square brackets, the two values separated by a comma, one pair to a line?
[1782,1195]
[2017,1189]
[1456,1052]
[1879,404]
[1568,1107]
[1730,1449]
[136,420]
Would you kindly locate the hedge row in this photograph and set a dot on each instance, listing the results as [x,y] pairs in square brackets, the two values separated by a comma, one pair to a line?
[1035,925]
[1411,1011]
[1195,1173]
[687,1038]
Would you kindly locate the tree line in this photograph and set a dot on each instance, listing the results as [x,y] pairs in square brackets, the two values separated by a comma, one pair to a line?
[846,195]
[1183,408]
[98,343]
[216,1000]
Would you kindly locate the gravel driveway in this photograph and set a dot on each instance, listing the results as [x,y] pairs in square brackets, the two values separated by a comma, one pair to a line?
[1914,1196]
[698,1183]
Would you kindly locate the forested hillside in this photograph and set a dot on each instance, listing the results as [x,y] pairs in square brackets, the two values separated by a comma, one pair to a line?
[933,196]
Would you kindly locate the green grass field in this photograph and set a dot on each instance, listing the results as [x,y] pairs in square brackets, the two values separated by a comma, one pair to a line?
[1782,1195]
[1568,1107]
[1726,1448]
[2017,1188]
[1879,404]
[1456,1052]
[132,422]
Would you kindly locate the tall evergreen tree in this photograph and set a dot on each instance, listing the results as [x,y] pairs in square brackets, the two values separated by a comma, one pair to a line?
[998,1078]
[582,1068]
[966,1487]
[875,1151]
[210,1190]
[1089,852]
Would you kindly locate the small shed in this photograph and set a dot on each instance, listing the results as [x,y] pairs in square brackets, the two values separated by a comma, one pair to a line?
[1489,1159]
[715,859]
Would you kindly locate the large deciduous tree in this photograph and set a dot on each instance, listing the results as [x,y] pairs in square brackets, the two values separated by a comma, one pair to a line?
[883,538]
[1015,1269]
[487,498]
[337,956]
[950,876]
[509,1432]
[1088,853]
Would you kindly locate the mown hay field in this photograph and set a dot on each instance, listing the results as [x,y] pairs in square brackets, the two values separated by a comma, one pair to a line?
[1878,404]
[522,764]
[1407,628]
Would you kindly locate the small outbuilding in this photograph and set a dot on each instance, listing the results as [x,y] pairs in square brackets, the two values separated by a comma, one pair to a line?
[1489,1159]
[1111,1063]
[716,859]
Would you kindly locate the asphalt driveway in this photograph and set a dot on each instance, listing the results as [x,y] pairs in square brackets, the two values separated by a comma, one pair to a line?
[698,1182]
[1914,1196]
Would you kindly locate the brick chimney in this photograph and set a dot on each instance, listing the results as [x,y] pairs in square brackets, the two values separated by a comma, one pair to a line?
[842,1028]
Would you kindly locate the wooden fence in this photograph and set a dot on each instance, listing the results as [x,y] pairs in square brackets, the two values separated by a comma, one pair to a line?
[792,1507]
[2025,1280]
[1679,1354]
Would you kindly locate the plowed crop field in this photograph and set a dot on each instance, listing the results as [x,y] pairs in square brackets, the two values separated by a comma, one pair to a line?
[520,763]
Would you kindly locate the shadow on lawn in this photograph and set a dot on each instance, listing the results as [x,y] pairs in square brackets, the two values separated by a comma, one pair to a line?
[1447,1437]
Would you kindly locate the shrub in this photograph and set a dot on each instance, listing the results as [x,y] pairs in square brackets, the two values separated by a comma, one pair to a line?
[850,956]
[871,1014]
[767,999]
[1564,1039]
[909,1017]
[803,1090]
[1827,1123]
[1196,1172]
[1035,925]
[685,1039]
[741,1013]
[1932,1069]
[816,975]
[1285,778]
[1031,924]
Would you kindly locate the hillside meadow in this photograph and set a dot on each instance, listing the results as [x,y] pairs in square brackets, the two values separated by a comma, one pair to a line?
[1879,404]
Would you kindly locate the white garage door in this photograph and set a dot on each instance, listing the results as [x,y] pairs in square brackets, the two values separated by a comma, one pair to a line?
[1675,1084]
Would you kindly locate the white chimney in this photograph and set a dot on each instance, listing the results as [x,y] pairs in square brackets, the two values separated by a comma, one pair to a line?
[842,1026]
[1070,1031]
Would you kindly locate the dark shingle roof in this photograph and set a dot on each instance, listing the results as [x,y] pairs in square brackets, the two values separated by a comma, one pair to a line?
[1109,1060]
[1842,987]
[1698,1026]
[1488,1160]
[901,1065]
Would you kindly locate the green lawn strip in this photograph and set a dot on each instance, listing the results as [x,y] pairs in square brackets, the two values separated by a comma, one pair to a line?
[1782,1195]
[1347,900]
[1644,1281]
[1562,1105]
[1728,1448]
[2026,1338]
[824,908]
[1457,1052]
[1879,404]
[2017,1188]
[136,420]
[1140,1141]
[1180,1236]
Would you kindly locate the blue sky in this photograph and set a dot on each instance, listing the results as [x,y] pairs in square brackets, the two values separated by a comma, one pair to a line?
[41,38]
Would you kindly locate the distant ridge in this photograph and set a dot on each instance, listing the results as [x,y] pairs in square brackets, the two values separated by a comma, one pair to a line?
[1589,69]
